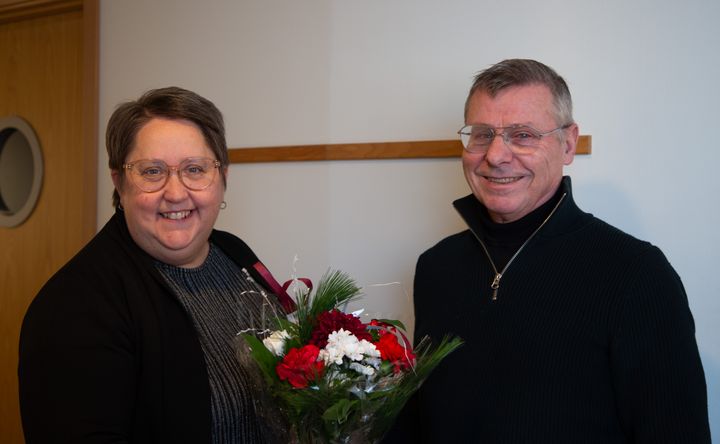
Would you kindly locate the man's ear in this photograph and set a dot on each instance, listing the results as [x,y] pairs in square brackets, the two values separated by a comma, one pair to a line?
[570,143]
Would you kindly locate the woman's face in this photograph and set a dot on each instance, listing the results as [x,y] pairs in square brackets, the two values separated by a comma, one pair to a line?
[173,224]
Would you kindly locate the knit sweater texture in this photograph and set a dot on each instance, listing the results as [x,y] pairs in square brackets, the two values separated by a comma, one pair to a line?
[223,300]
[590,340]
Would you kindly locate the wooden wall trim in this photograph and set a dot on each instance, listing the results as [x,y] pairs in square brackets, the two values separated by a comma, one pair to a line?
[364,151]
[26,9]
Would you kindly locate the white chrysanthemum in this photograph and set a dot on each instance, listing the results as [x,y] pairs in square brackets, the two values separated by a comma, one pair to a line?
[276,342]
[343,344]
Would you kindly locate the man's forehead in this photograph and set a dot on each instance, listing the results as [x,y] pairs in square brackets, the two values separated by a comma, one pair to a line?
[524,104]
[528,89]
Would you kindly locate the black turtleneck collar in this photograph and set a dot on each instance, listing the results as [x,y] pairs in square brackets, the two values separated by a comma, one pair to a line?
[503,239]
[520,229]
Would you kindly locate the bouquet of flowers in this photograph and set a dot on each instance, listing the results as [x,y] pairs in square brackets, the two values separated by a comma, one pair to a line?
[327,377]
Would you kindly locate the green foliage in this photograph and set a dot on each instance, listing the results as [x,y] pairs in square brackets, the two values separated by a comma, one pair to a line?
[265,360]
[336,408]
[339,412]
[394,323]
[427,359]
[334,290]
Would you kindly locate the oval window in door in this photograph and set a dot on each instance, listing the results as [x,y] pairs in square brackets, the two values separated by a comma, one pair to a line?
[21,171]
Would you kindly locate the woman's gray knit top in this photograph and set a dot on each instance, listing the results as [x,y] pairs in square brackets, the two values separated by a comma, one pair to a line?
[222,300]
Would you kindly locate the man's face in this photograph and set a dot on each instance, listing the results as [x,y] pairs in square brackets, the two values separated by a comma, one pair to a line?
[508,182]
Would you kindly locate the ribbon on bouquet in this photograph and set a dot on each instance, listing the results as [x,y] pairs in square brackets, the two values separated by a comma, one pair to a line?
[306,281]
[280,291]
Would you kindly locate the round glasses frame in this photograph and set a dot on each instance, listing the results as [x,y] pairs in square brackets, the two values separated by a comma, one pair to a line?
[521,137]
[192,180]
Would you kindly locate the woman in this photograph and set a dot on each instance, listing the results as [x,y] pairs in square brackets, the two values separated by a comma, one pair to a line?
[131,341]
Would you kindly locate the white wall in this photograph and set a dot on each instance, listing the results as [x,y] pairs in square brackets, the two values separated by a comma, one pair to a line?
[644,76]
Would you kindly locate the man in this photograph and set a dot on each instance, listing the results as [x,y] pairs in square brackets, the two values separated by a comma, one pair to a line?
[575,332]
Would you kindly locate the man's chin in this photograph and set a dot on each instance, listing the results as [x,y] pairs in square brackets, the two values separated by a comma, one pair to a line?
[503,209]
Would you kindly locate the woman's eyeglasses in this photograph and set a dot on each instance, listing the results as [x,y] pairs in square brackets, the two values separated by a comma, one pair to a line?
[151,175]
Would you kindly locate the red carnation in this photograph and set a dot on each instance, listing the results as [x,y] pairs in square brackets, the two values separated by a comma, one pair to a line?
[300,366]
[392,351]
[334,320]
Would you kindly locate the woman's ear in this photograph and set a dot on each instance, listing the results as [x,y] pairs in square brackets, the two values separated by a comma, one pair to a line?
[117,181]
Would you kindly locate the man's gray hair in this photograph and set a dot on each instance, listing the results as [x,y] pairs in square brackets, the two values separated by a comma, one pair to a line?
[521,72]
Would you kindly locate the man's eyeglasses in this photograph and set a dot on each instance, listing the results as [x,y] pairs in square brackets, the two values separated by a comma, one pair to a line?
[150,175]
[477,138]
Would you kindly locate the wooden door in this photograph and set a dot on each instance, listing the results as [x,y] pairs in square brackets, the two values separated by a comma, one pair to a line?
[48,76]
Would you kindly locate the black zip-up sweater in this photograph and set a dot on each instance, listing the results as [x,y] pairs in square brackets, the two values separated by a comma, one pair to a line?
[590,340]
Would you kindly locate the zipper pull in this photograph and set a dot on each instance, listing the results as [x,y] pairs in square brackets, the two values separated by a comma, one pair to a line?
[495,285]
